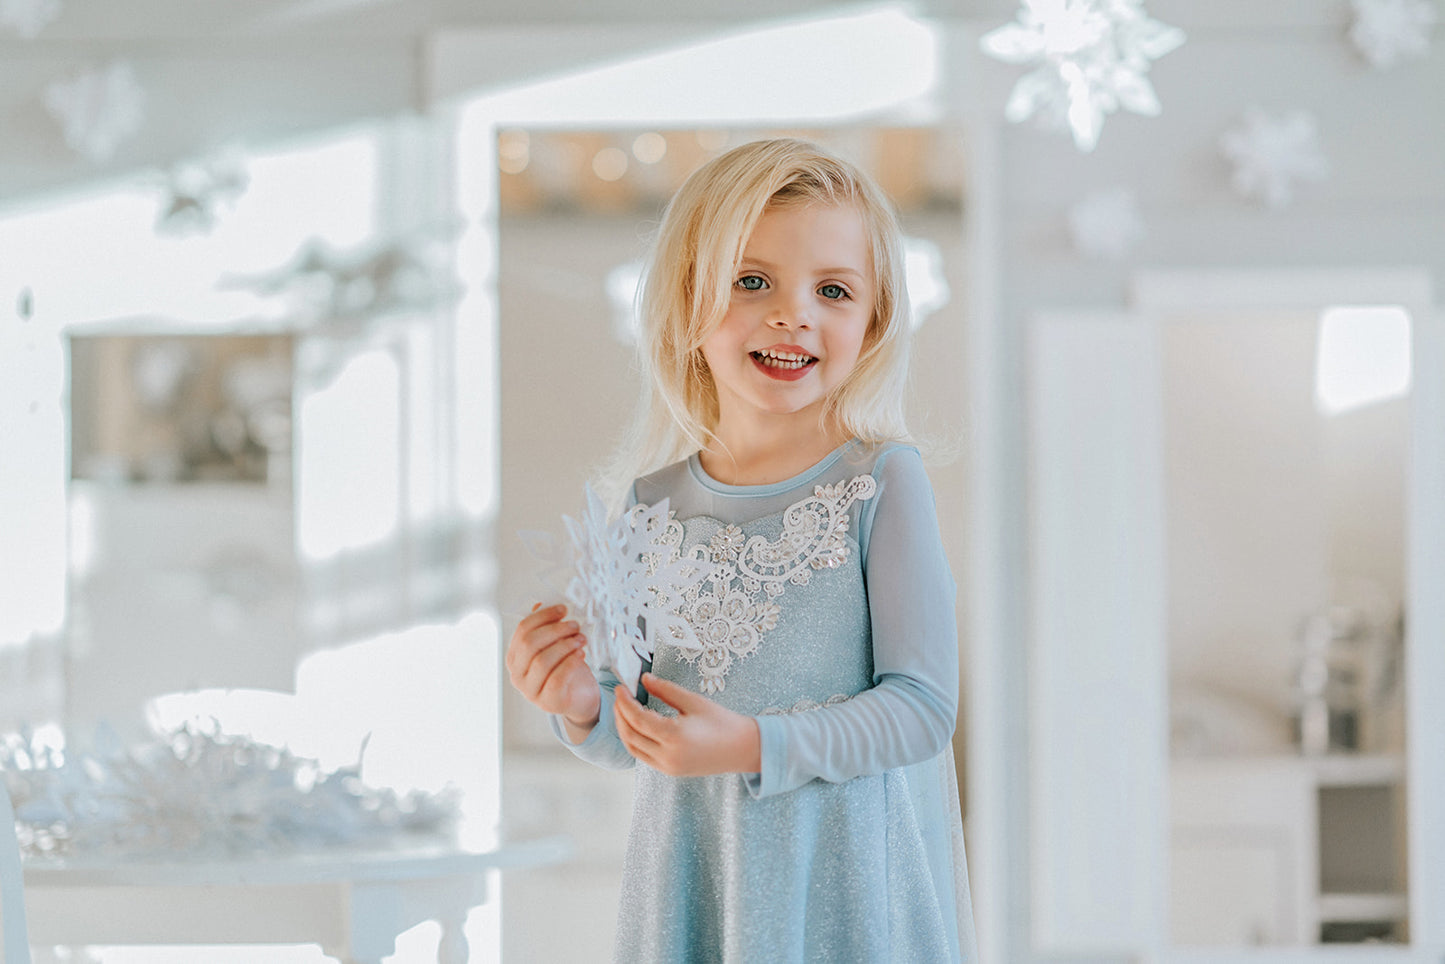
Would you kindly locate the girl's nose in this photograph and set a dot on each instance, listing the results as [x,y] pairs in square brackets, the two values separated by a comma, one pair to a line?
[790,314]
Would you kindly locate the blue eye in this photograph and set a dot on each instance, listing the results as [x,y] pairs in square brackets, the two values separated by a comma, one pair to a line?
[833,292]
[751,282]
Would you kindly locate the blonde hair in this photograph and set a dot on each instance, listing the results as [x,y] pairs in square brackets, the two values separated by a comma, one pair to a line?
[688,284]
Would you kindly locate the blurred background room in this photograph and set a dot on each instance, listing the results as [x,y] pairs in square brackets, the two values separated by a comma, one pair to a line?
[309,307]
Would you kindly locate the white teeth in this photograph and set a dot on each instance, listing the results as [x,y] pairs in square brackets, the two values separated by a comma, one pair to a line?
[775,358]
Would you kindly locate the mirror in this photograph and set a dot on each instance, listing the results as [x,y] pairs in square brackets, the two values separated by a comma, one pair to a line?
[1286,438]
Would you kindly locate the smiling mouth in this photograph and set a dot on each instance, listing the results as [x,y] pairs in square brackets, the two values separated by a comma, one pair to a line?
[788,361]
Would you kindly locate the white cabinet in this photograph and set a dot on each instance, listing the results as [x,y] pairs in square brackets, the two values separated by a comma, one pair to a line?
[1281,850]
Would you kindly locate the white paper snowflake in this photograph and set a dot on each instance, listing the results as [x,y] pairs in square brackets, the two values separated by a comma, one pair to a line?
[98,109]
[623,581]
[1092,58]
[385,275]
[1107,224]
[1270,155]
[28,17]
[1386,32]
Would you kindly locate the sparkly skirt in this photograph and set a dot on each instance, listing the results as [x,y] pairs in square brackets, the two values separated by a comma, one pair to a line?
[867,870]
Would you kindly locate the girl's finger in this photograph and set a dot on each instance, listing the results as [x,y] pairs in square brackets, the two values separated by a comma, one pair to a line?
[539,617]
[642,754]
[539,640]
[523,654]
[638,745]
[524,641]
[533,677]
[647,722]
[623,704]
[683,700]
[626,733]
[547,660]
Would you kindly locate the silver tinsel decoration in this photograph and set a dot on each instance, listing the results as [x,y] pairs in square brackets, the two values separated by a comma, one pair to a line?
[193,792]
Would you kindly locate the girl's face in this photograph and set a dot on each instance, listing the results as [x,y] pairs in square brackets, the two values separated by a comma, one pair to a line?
[802,300]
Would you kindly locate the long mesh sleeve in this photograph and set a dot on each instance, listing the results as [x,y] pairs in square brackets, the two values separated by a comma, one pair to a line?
[908,715]
[602,747]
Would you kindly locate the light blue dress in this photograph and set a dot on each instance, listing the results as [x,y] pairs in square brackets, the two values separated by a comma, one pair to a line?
[830,618]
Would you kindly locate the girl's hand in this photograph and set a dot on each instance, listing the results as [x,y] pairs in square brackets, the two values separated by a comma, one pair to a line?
[546,665]
[704,738]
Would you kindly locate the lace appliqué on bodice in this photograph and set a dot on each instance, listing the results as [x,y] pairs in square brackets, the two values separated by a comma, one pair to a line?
[732,608]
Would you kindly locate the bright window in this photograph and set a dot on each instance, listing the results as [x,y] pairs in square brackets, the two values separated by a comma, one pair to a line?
[1363,356]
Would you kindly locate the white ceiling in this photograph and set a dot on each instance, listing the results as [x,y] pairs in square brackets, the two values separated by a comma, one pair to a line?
[221,72]
[218,72]
[151,20]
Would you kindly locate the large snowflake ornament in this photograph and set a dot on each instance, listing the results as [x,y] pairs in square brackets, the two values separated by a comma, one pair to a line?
[1386,32]
[1271,155]
[98,109]
[1107,224]
[1092,57]
[28,17]
[624,582]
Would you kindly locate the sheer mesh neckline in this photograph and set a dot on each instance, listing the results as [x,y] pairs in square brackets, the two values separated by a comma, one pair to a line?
[699,474]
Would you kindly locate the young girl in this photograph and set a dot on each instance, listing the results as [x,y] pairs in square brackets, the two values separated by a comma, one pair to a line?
[797,799]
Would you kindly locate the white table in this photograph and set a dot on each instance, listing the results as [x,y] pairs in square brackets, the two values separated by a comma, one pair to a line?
[353,903]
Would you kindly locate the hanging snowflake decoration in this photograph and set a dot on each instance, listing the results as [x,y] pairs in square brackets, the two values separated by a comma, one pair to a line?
[624,583]
[387,275]
[1386,32]
[196,189]
[1107,224]
[1092,57]
[28,17]
[1270,156]
[98,109]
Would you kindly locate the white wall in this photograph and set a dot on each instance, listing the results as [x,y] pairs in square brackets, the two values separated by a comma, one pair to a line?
[1382,205]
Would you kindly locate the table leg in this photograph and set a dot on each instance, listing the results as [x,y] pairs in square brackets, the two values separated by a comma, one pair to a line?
[344,955]
[453,948]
